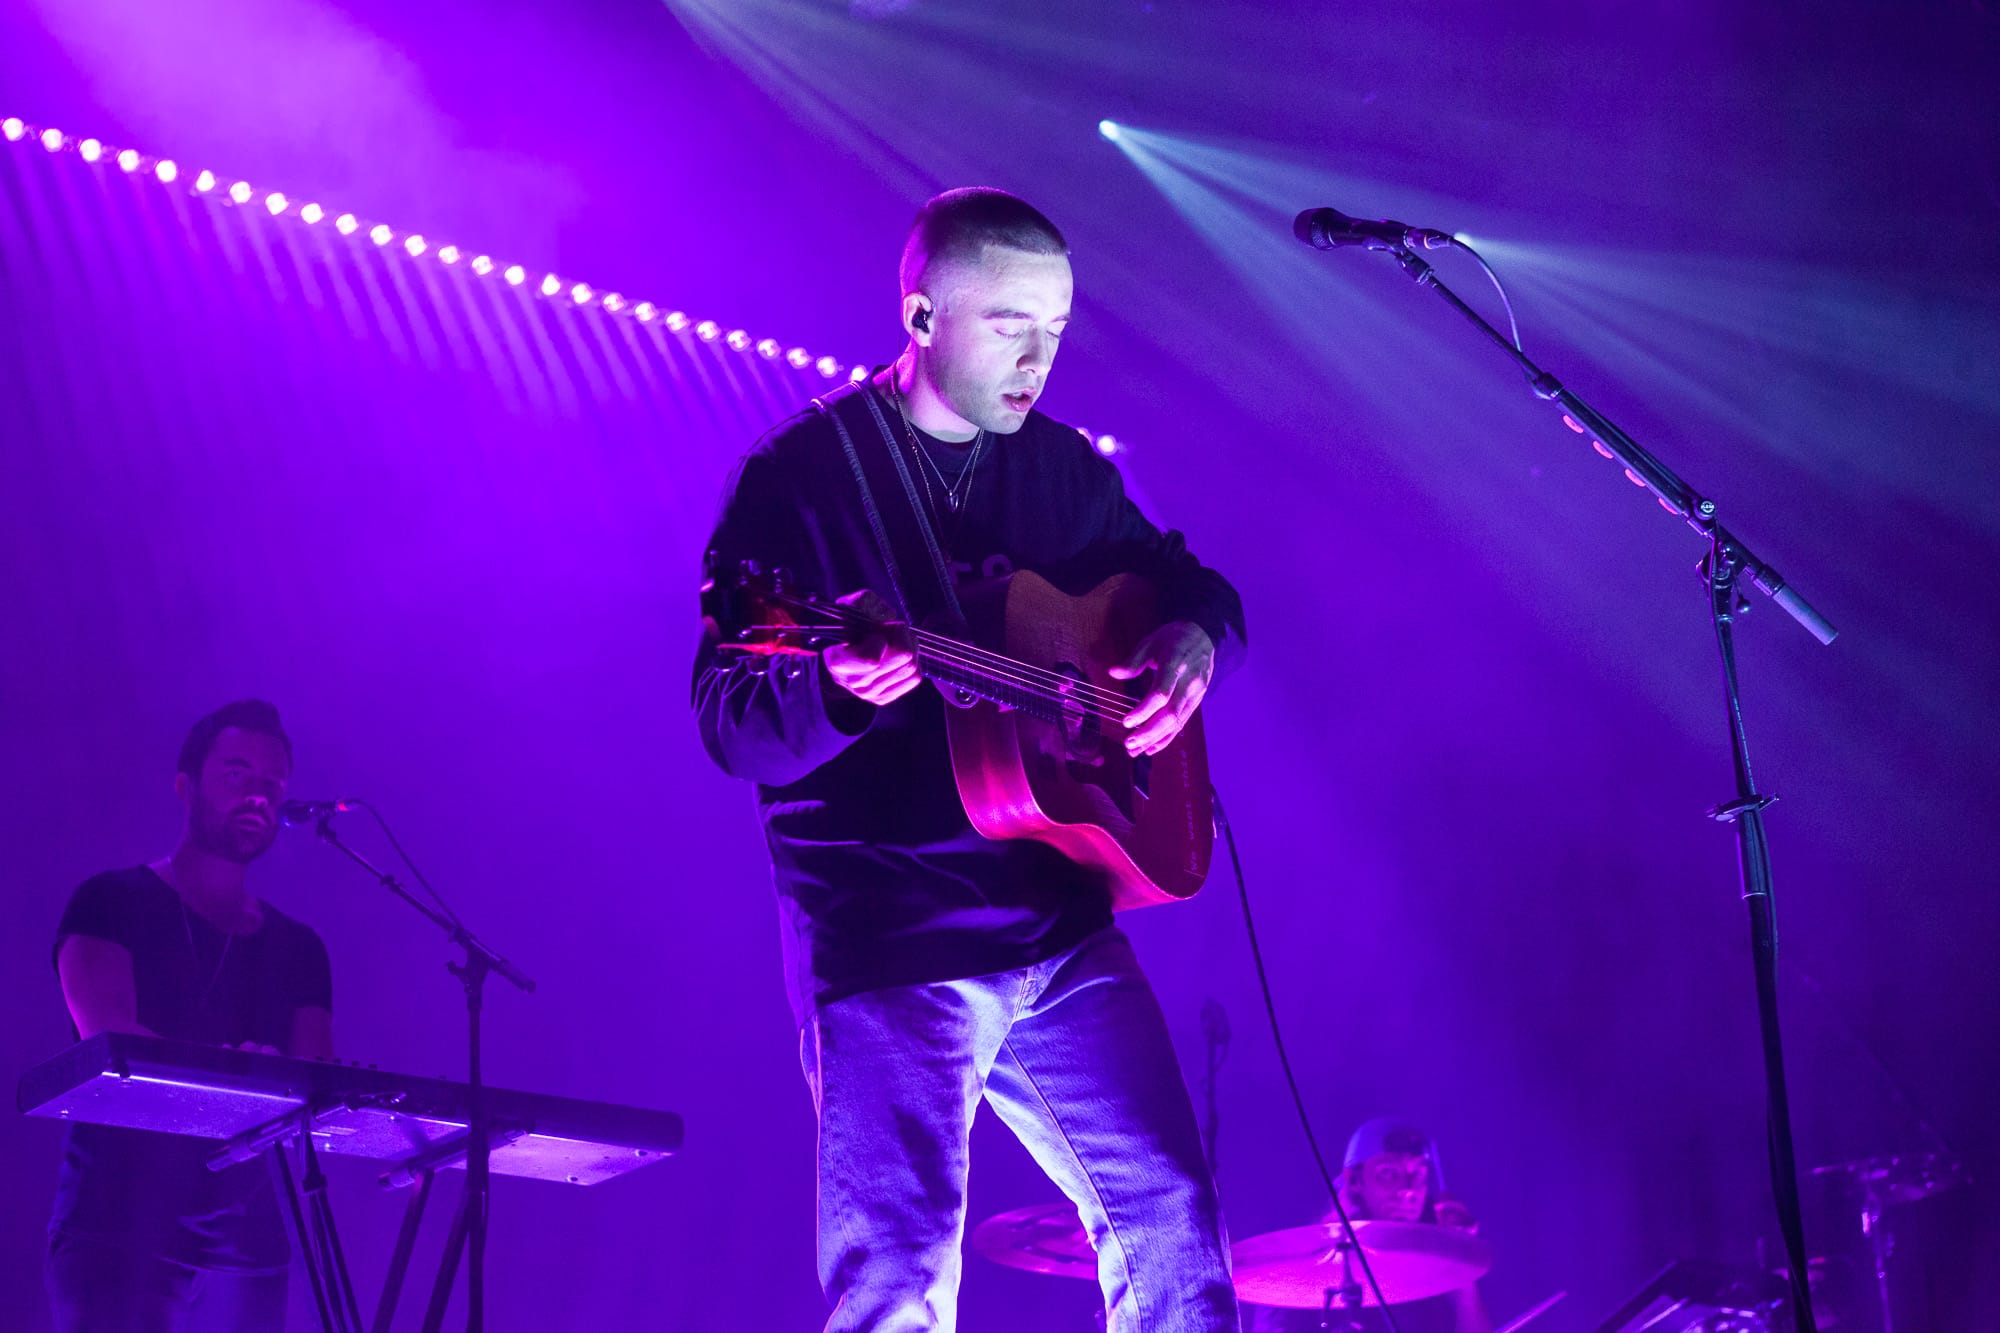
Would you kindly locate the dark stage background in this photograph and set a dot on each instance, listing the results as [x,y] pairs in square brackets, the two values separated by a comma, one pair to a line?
[452,529]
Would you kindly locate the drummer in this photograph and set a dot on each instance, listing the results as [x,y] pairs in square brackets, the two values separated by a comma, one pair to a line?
[1391,1173]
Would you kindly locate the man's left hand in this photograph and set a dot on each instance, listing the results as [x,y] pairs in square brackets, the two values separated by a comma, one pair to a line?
[1181,657]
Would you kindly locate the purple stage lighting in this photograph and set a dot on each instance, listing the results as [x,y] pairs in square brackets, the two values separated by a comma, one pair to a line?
[827,366]
[738,339]
[276,202]
[380,233]
[166,171]
[415,245]
[240,192]
[551,285]
[90,150]
[708,330]
[580,293]
[482,264]
[204,182]
[346,224]
[644,312]
[128,160]
[447,254]
[52,140]
[613,302]
[311,213]
[677,321]
[516,274]
[768,348]
[13,128]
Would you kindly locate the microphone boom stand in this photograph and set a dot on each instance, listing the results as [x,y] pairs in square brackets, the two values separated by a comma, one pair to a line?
[479,961]
[1728,564]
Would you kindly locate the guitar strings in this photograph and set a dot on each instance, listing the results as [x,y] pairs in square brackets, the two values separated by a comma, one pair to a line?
[1057,687]
[1053,687]
[962,652]
[1106,707]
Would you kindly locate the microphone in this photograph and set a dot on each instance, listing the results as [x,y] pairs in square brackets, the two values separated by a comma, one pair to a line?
[1329,228]
[296,814]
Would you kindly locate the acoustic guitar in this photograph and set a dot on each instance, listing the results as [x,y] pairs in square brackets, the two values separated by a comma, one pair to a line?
[1034,724]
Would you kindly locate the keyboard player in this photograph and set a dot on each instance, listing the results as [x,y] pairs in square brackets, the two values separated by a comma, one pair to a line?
[144,1237]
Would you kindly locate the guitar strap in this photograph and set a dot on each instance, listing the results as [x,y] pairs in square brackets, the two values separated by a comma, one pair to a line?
[902,528]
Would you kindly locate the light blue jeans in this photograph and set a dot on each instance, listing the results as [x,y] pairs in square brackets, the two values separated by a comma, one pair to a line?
[1073,1055]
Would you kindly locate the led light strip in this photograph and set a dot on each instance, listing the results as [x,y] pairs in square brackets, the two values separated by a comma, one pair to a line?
[580,294]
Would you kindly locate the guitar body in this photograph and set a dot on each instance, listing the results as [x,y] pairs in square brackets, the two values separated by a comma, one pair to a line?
[1062,776]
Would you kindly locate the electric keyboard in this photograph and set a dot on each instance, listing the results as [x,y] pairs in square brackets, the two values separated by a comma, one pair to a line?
[214,1092]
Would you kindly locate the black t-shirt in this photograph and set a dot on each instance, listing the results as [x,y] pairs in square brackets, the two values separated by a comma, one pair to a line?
[195,983]
[882,879]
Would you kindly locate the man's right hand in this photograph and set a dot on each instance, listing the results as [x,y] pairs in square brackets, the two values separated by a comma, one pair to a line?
[880,667]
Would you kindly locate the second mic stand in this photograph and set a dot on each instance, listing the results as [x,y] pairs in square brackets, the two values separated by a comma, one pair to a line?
[479,961]
[1729,563]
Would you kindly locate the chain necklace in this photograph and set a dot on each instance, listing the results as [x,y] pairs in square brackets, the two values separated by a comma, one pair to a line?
[957,492]
[194,954]
[221,959]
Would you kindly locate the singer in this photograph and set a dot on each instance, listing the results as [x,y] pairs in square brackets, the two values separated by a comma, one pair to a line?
[930,966]
[145,1237]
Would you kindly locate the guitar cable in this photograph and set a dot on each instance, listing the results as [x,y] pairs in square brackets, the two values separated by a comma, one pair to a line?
[1285,1062]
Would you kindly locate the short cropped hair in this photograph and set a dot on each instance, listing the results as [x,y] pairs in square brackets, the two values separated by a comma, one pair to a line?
[958,224]
[243,714]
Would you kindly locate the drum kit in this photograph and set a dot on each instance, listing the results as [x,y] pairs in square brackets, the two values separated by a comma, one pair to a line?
[1316,1268]
[1300,1268]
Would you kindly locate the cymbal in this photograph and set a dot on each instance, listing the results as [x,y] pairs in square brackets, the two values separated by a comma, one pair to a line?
[1905,1179]
[1295,1268]
[1045,1238]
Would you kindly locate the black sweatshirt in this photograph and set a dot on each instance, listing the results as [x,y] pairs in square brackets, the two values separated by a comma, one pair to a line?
[882,880]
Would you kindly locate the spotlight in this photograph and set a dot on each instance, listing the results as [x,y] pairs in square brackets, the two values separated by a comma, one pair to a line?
[644,312]
[708,330]
[613,302]
[677,321]
[380,233]
[798,358]
[551,285]
[516,275]
[52,140]
[346,224]
[447,254]
[768,348]
[482,265]
[240,192]
[204,182]
[827,366]
[13,128]
[311,213]
[580,293]
[737,339]
[1107,445]
[128,160]
[414,244]
[166,170]
[858,374]
[276,202]
[1110,129]
[90,150]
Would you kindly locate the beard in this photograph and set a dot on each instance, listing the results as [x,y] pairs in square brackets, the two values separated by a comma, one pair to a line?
[217,833]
